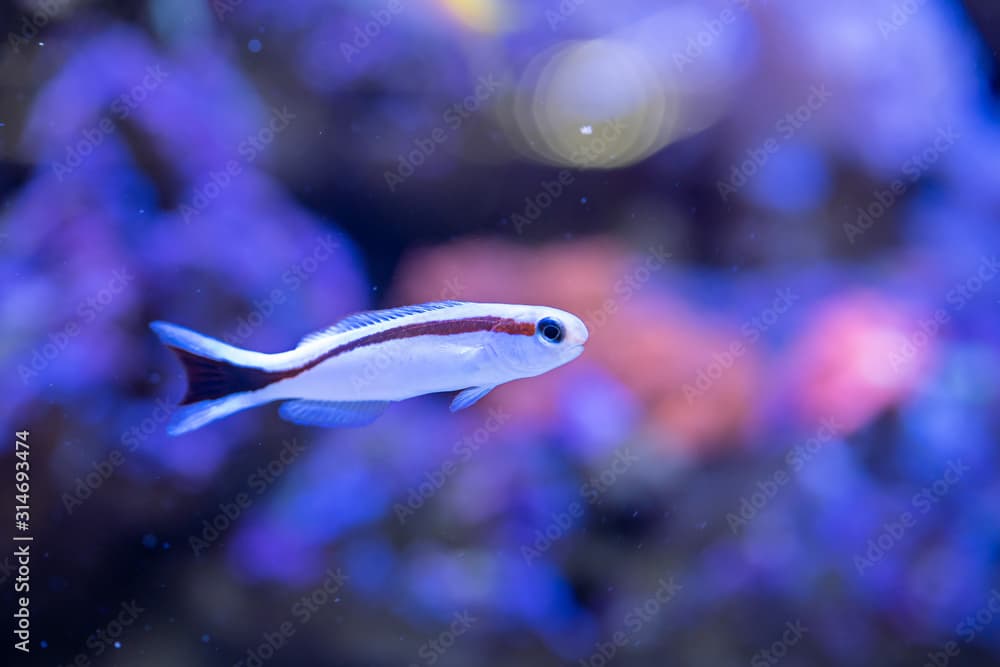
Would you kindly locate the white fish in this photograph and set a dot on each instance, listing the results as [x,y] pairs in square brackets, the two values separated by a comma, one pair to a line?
[348,374]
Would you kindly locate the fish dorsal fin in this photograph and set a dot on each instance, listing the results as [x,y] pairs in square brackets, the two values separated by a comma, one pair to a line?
[371,317]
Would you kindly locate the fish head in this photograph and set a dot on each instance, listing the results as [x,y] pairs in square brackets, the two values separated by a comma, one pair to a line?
[558,338]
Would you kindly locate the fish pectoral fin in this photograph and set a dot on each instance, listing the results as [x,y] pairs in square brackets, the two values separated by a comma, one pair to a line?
[332,413]
[469,396]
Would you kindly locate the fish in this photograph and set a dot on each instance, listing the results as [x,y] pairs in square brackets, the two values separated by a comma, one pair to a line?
[348,374]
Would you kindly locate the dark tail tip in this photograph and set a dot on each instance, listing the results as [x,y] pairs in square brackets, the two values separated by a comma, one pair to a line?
[209,379]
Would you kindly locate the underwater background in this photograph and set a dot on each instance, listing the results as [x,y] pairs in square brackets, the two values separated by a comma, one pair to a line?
[778,219]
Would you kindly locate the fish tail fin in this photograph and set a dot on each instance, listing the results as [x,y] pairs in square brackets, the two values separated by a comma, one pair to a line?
[222,379]
[190,417]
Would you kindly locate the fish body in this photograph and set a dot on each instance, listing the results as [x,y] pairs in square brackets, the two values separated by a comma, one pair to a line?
[348,374]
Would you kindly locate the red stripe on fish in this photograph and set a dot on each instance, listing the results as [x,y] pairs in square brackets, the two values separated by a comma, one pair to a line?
[438,328]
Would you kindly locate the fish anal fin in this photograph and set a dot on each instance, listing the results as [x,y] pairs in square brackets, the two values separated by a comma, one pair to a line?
[332,413]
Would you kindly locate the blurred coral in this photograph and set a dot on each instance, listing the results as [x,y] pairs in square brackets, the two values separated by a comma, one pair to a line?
[860,354]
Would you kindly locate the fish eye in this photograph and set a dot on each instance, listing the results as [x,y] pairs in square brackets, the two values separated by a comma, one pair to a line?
[550,330]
